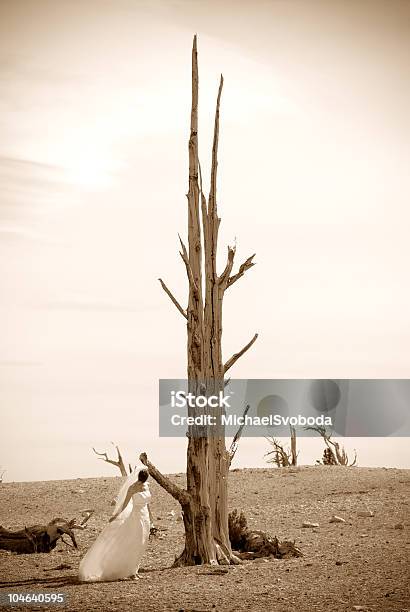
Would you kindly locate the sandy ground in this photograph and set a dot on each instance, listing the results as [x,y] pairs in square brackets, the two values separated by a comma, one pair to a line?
[362,564]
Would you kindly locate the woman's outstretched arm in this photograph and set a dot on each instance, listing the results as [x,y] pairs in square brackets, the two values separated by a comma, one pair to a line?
[136,487]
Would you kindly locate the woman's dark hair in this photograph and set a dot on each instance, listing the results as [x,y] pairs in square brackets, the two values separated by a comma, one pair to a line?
[143,475]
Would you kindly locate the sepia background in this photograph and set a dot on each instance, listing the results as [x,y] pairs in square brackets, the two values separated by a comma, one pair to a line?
[314,157]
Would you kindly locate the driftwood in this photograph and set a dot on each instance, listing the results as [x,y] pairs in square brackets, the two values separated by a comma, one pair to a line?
[42,538]
[251,543]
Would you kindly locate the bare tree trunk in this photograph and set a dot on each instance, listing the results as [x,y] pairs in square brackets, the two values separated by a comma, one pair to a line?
[293,449]
[205,501]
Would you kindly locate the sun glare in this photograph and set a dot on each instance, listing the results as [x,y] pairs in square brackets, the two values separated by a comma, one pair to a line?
[90,173]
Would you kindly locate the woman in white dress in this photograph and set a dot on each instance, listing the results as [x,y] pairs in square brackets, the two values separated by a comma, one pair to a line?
[117,552]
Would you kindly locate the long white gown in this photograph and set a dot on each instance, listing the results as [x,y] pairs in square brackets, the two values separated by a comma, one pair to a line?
[117,551]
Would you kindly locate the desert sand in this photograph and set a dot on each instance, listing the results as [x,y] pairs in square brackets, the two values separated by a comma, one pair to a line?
[362,564]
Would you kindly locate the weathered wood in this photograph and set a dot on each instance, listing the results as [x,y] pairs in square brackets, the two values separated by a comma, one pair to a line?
[253,543]
[204,502]
[181,495]
[42,538]
[280,455]
[173,299]
[335,453]
[235,441]
[242,269]
[119,462]
[236,356]
[37,538]
[293,448]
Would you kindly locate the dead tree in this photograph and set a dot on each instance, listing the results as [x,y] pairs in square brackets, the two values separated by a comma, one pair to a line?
[252,543]
[205,500]
[334,453]
[2,472]
[279,455]
[42,538]
[119,462]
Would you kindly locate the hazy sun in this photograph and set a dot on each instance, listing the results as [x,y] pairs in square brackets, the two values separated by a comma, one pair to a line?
[90,172]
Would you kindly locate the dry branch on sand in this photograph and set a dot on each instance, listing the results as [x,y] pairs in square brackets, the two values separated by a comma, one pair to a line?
[251,543]
[42,538]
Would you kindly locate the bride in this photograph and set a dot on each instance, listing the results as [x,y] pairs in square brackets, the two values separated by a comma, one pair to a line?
[117,552]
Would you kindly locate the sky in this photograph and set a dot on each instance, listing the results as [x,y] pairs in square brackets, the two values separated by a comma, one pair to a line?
[313,177]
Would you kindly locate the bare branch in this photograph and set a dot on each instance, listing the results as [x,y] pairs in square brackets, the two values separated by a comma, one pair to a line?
[181,495]
[224,278]
[354,460]
[236,356]
[194,225]
[242,269]
[185,259]
[332,459]
[214,168]
[173,299]
[332,456]
[86,514]
[119,463]
[184,253]
[281,456]
[234,446]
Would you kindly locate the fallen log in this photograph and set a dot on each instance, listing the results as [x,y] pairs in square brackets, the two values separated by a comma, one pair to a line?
[42,538]
[252,544]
